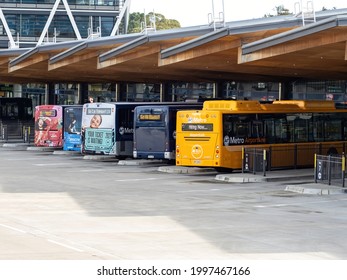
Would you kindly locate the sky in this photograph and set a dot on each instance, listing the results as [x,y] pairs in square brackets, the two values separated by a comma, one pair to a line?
[195,12]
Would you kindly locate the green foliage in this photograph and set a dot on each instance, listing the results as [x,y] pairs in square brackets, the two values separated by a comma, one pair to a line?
[137,22]
[280,11]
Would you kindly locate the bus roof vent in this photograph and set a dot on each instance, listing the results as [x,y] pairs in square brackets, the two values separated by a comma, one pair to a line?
[232,105]
[309,104]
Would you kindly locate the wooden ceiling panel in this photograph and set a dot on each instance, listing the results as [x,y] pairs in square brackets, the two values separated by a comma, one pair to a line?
[320,55]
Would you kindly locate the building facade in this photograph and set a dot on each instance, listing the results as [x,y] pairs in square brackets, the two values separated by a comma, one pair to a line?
[26,24]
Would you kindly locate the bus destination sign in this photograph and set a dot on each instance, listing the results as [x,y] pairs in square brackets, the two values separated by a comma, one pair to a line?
[149,117]
[48,113]
[197,127]
[99,111]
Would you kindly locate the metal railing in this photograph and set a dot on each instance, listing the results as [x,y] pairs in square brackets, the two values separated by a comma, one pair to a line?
[3,131]
[330,169]
[254,160]
[16,132]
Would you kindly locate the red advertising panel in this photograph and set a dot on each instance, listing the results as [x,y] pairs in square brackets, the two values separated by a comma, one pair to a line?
[48,126]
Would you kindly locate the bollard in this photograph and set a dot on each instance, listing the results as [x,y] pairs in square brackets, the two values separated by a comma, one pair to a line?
[343,169]
[25,134]
[4,133]
[243,158]
[264,162]
[254,160]
[315,168]
[329,170]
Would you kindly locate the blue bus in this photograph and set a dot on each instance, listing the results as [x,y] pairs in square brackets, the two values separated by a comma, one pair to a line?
[72,128]
[155,130]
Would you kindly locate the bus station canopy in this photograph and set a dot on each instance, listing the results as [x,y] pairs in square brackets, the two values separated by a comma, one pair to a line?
[278,48]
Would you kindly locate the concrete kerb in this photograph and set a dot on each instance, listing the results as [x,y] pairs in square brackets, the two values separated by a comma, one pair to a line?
[140,162]
[42,149]
[316,189]
[253,178]
[100,158]
[186,170]
[14,145]
[69,153]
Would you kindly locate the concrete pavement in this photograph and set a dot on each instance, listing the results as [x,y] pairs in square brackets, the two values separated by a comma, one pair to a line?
[305,176]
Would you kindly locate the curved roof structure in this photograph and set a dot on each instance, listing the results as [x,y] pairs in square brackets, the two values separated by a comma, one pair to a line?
[268,49]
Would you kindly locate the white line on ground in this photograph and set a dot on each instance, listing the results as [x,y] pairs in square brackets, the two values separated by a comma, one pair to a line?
[50,164]
[303,203]
[142,179]
[65,245]
[13,228]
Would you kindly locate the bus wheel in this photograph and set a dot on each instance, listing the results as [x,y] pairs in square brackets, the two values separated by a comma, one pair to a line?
[332,151]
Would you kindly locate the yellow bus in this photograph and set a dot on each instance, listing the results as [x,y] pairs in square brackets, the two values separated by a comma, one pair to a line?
[292,131]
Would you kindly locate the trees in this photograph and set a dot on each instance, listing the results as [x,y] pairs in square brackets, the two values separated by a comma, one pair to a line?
[280,11]
[137,22]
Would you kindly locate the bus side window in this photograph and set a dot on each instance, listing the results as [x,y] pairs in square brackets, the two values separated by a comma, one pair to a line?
[269,126]
[282,130]
[318,128]
[257,129]
[344,129]
[333,130]
[301,130]
[242,130]
[228,125]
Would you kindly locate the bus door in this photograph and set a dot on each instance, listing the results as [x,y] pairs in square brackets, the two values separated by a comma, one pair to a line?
[98,128]
[48,126]
[150,132]
[72,128]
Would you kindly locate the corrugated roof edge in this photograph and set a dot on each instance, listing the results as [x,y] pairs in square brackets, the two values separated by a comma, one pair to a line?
[338,20]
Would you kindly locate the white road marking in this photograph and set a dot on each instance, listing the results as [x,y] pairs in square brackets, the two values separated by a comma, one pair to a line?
[13,228]
[22,159]
[303,203]
[134,180]
[87,170]
[205,190]
[65,245]
[50,164]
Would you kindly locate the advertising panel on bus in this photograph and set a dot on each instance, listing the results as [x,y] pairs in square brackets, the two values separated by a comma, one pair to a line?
[48,126]
[98,127]
[72,120]
[50,123]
